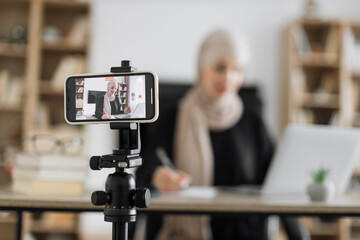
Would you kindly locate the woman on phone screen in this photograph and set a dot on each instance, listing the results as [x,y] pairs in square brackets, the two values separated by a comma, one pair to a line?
[110,103]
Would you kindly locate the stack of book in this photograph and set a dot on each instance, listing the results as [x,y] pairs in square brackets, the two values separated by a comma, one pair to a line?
[49,174]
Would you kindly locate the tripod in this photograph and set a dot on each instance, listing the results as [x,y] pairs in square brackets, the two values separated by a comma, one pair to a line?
[121,197]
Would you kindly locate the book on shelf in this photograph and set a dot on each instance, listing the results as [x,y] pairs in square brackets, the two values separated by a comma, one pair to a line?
[4,81]
[304,116]
[79,103]
[14,92]
[328,83]
[79,32]
[11,89]
[301,39]
[42,116]
[334,119]
[332,44]
[69,65]
[351,49]
[298,84]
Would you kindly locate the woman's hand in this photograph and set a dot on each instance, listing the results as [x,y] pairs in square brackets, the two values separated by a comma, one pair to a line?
[127,110]
[105,116]
[166,179]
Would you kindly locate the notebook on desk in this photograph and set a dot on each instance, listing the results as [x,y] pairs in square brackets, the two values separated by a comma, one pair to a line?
[306,148]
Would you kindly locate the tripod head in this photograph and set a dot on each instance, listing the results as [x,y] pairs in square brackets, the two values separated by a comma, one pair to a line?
[127,156]
[121,197]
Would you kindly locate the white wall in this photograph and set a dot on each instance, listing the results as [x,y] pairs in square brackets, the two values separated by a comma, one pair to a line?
[164,36]
[136,91]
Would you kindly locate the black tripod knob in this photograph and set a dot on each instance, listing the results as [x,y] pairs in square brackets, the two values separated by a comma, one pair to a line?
[99,198]
[142,197]
[94,163]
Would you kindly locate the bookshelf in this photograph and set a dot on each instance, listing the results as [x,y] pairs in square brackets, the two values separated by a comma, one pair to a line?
[123,93]
[79,87]
[62,51]
[321,74]
[13,67]
[352,63]
[321,85]
[312,71]
[41,42]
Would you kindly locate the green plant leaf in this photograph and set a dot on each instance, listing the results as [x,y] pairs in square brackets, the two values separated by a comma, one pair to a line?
[320,175]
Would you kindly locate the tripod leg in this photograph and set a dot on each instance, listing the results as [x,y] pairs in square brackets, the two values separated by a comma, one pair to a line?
[120,231]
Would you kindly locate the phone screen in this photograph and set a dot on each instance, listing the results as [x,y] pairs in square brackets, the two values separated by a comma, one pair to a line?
[113,97]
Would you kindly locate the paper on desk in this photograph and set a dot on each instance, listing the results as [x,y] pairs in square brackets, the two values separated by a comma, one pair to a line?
[199,192]
[81,117]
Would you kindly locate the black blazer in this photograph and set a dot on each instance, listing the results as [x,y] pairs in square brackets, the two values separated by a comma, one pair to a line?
[161,133]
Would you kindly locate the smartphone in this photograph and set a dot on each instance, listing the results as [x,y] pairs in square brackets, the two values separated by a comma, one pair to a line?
[116,97]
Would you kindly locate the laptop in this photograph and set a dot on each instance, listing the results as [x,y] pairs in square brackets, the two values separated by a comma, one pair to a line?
[138,112]
[306,148]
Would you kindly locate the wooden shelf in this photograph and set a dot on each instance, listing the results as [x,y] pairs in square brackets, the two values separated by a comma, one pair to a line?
[322,63]
[11,109]
[42,228]
[6,50]
[14,1]
[64,47]
[9,218]
[355,224]
[316,21]
[47,89]
[67,4]
[38,63]
[322,229]
[321,100]
[314,59]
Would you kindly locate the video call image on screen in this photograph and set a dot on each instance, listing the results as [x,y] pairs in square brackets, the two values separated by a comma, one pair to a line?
[104,98]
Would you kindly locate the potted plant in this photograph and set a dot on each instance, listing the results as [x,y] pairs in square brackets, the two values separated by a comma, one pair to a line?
[321,189]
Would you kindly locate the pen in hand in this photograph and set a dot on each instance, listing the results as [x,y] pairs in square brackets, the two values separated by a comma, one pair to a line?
[165,161]
[164,158]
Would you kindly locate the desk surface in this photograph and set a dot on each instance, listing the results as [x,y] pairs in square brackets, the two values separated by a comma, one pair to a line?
[212,200]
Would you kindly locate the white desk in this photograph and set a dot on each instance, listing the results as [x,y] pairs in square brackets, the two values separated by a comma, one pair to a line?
[224,201]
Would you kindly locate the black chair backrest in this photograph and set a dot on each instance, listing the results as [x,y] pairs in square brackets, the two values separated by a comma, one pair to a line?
[170,94]
[93,95]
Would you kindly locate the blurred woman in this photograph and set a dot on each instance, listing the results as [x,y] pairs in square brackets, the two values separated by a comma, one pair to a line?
[218,141]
